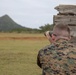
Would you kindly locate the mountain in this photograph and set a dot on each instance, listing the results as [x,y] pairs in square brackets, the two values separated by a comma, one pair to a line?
[7,24]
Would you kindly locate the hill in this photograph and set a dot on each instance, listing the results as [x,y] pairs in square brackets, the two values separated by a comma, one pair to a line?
[7,24]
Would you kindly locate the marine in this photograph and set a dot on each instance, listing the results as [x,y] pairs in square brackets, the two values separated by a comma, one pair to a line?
[58,58]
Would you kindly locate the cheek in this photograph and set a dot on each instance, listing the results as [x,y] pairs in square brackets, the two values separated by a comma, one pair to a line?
[53,37]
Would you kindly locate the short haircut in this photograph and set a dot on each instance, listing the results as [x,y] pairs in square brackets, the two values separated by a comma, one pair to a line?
[62,30]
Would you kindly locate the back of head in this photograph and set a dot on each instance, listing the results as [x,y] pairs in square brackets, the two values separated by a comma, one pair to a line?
[61,30]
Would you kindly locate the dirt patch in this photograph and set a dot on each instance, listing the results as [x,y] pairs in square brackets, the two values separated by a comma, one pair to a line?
[22,38]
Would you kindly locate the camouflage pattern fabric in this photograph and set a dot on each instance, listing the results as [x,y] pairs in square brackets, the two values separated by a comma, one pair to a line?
[58,59]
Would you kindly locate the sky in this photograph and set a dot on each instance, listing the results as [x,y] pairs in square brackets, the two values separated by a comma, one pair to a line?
[32,13]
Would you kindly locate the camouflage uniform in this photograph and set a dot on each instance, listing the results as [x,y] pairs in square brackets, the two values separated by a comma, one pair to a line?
[58,59]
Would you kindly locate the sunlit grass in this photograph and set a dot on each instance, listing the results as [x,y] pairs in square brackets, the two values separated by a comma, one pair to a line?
[18,57]
[20,35]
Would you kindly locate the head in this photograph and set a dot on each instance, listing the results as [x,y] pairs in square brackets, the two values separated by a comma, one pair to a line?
[61,31]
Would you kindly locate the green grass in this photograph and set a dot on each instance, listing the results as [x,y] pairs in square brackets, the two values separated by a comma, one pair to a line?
[18,57]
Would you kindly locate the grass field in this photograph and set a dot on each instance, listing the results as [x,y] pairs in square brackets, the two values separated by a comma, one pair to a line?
[18,54]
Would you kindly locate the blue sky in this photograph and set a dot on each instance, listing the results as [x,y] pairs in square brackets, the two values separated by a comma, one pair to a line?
[32,13]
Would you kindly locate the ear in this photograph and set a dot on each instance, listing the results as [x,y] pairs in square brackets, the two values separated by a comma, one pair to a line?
[53,37]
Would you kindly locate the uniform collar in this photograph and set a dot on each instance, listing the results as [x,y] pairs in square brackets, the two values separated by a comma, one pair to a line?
[61,41]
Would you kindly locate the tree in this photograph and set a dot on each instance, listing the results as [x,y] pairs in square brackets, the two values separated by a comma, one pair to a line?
[46,27]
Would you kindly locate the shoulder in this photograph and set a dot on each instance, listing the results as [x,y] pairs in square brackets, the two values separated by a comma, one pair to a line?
[47,49]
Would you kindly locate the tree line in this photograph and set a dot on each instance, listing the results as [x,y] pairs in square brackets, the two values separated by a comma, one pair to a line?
[41,29]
